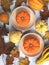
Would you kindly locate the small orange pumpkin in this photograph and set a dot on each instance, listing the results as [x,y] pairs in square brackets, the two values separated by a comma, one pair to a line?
[15,53]
[23,18]
[31,45]
[36,4]
[4,17]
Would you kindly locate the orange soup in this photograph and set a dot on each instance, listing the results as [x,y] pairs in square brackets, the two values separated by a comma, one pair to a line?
[22,18]
[31,44]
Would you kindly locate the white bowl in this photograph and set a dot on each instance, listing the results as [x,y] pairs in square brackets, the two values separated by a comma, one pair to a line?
[41,45]
[13,18]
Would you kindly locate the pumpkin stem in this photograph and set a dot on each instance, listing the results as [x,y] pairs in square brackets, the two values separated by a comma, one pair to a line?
[22,18]
[30,45]
[41,26]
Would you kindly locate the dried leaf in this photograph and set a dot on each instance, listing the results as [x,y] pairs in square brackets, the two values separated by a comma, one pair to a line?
[9,60]
[45,13]
[6,4]
[18,2]
[24,61]
[46,2]
[2,45]
[15,52]
[3,31]
[8,47]
[46,35]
